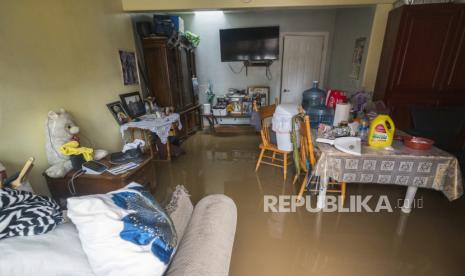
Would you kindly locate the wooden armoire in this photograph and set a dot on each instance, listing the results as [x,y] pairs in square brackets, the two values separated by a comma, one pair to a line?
[170,69]
[423,59]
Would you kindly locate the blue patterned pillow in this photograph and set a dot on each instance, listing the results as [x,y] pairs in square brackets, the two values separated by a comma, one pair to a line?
[124,232]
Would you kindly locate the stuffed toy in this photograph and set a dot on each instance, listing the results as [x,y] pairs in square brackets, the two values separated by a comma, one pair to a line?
[59,130]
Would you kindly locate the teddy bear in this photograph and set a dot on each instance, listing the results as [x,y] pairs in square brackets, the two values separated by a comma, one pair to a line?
[60,129]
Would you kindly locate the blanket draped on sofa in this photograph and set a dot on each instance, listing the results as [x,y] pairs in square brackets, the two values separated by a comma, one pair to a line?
[25,214]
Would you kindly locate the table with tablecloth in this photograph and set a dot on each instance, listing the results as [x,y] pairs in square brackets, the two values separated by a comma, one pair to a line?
[160,126]
[399,165]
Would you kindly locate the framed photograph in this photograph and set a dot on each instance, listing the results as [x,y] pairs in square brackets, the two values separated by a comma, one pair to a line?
[118,112]
[357,58]
[128,62]
[133,104]
[261,94]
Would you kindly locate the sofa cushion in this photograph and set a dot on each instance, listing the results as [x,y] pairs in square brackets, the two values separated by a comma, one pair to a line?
[180,210]
[56,253]
[206,246]
[124,232]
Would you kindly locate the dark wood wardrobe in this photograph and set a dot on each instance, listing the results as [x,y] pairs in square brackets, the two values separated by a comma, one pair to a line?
[170,68]
[423,60]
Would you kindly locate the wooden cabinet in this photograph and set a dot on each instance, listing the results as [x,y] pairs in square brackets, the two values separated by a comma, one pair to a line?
[190,120]
[161,71]
[453,83]
[422,45]
[423,59]
[170,68]
[86,184]
[400,109]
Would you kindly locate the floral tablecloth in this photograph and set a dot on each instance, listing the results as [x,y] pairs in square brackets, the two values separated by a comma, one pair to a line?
[433,169]
[160,126]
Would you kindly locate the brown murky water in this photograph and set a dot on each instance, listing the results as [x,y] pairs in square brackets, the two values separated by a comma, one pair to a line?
[428,241]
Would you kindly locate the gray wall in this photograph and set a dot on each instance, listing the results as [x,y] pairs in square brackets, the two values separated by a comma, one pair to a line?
[344,25]
[209,65]
[350,24]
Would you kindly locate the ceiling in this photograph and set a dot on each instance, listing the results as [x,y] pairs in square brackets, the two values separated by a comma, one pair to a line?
[196,5]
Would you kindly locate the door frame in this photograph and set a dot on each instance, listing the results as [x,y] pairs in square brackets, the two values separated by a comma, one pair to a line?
[324,60]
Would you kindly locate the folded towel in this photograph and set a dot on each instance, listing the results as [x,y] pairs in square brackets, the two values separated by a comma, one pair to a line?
[72,148]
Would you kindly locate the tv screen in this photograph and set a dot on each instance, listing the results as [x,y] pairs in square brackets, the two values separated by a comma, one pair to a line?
[249,44]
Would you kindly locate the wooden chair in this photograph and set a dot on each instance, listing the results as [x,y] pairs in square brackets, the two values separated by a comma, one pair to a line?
[145,136]
[265,113]
[308,162]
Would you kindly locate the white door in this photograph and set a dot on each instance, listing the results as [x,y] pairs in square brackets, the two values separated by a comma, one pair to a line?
[303,62]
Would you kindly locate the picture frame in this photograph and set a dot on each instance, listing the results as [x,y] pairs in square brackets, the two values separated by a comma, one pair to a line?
[357,57]
[129,69]
[118,112]
[261,94]
[133,104]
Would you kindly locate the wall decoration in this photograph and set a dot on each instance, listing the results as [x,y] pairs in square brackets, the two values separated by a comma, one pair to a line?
[261,94]
[133,104]
[128,67]
[357,57]
[118,112]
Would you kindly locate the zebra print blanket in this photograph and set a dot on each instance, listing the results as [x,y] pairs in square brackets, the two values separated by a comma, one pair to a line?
[25,214]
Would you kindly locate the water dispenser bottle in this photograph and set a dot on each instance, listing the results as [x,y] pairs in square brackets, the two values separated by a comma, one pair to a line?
[313,97]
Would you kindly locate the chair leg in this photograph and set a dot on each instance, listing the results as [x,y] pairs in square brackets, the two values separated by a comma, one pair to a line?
[285,165]
[343,192]
[295,179]
[260,159]
[168,150]
[302,188]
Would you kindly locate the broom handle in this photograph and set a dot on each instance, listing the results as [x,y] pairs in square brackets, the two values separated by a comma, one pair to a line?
[17,182]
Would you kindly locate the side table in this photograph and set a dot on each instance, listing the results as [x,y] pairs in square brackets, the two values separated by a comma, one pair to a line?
[231,123]
[87,184]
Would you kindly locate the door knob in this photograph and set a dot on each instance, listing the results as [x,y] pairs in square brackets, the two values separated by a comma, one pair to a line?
[286,90]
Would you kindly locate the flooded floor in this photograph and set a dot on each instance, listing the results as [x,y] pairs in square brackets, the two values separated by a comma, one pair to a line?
[428,241]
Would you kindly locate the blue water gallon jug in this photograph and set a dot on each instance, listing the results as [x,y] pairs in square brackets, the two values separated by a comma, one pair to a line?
[313,97]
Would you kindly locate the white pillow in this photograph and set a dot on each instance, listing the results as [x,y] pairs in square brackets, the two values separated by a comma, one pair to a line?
[124,232]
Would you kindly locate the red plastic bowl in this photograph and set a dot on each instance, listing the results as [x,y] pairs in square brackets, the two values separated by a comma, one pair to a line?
[418,143]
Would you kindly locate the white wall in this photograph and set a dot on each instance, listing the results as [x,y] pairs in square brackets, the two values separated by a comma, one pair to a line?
[208,58]
[351,24]
[344,25]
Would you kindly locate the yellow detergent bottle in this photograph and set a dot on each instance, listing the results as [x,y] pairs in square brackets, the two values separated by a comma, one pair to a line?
[381,131]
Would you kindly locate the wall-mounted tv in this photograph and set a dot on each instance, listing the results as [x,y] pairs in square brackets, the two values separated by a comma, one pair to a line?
[249,44]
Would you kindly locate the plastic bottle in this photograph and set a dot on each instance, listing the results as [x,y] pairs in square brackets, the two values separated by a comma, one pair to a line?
[364,127]
[381,131]
[313,97]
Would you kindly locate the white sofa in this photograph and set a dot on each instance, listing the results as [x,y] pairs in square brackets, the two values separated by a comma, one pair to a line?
[206,234]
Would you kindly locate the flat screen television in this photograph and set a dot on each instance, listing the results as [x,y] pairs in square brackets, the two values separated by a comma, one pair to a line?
[249,44]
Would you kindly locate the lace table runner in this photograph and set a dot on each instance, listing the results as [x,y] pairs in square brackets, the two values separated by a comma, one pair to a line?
[160,126]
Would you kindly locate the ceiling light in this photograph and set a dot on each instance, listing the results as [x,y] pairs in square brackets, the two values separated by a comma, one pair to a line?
[208,13]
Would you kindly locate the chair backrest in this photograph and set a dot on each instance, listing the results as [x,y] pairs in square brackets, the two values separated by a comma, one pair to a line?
[257,109]
[144,135]
[266,112]
[306,142]
[254,106]
[265,135]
